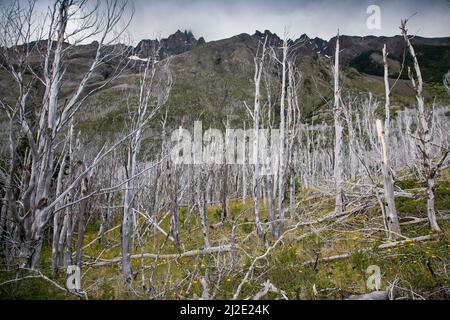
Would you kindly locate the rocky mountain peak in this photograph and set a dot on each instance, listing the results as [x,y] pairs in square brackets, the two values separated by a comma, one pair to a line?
[174,44]
[272,38]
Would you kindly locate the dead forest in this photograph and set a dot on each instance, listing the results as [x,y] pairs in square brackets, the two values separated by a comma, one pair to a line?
[303,221]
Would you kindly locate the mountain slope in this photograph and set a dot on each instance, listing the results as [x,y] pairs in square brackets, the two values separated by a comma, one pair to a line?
[213,79]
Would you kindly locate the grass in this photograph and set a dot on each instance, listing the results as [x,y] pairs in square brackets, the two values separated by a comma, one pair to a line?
[414,267]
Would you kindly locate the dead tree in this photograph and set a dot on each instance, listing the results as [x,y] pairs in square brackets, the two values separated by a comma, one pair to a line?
[225,173]
[388,179]
[352,148]
[282,144]
[259,65]
[43,129]
[424,140]
[154,88]
[293,131]
[202,179]
[244,167]
[338,136]
[270,179]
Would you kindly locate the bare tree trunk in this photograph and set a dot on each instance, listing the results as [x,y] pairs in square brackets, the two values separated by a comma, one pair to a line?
[68,251]
[224,213]
[156,207]
[59,259]
[191,200]
[351,142]
[82,215]
[127,221]
[175,212]
[339,141]
[391,213]
[282,155]
[52,115]
[259,64]
[424,144]
[431,206]
[384,136]
[202,211]
[106,216]
[292,198]
[150,100]
[272,205]
[244,168]
[57,219]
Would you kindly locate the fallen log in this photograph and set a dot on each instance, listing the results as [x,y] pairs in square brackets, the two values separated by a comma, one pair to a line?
[268,287]
[191,253]
[381,246]
[407,241]
[327,259]
[414,220]
[376,295]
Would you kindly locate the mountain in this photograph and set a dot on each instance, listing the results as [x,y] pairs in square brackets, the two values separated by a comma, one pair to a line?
[176,43]
[354,46]
[213,79]
[364,54]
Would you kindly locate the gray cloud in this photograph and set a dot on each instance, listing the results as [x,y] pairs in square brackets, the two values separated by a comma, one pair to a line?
[221,19]
[218,19]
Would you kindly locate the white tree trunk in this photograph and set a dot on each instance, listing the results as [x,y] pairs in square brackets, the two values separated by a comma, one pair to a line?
[282,155]
[424,144]
[384,136]
[259,64]
[339,141]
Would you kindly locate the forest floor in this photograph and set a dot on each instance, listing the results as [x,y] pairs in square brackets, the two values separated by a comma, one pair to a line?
[297,264]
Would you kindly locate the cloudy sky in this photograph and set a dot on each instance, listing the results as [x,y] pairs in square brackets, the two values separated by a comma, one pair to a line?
[217,19]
